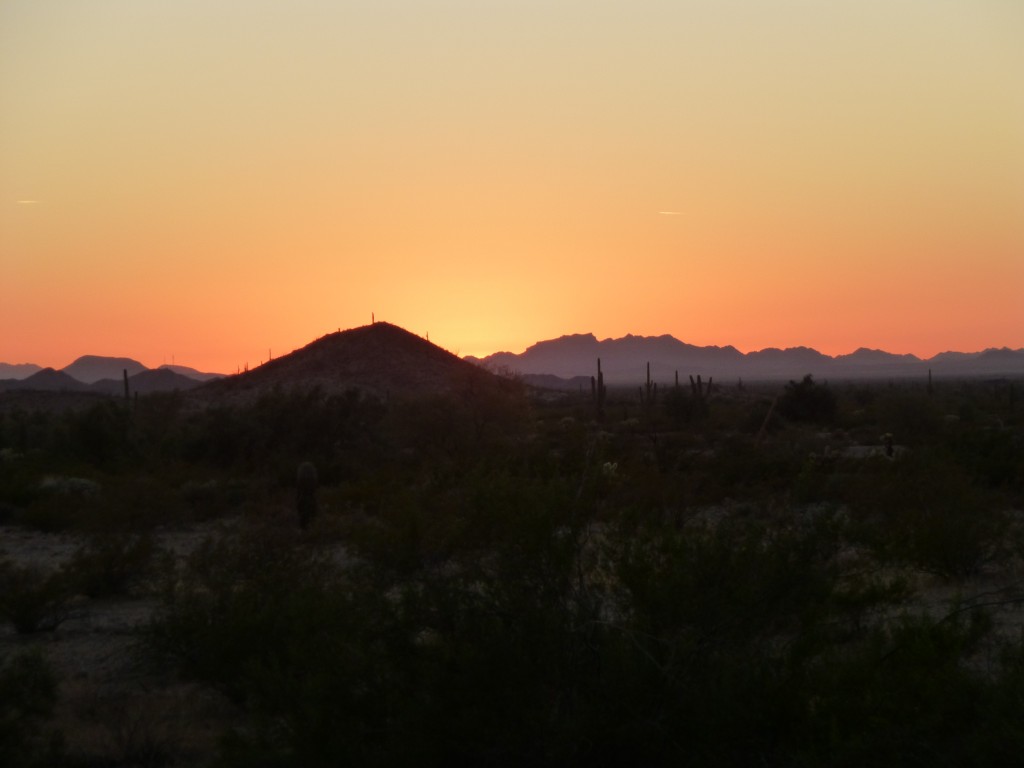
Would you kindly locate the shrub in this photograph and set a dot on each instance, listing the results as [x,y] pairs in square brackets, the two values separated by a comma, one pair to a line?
[109,564]
[99,434]
[924,511]
[808,401]
[31,598]
[28,693]
[682,407]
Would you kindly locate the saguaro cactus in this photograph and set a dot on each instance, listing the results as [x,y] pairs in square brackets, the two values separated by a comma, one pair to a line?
[599,392]
[648,394]
[305,492]
[700,392]
[699,389]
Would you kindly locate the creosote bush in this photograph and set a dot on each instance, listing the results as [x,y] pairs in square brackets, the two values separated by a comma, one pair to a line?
[110,564]
[808,401]
[32,598]
[28,695]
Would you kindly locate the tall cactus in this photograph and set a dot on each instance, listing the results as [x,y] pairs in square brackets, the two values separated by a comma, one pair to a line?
[700,392]
[599,392]
[648,393]
[699,389]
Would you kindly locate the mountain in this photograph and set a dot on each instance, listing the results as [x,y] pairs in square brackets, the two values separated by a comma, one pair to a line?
[774,363]
[89,369]
[547,381]
[989,362]
[191,373]
[145,382]
[18,370]
[556,357]
[624,361]
[162,379]
[379,359]
[874,357]
[576,355]
[865,363]
[46,380]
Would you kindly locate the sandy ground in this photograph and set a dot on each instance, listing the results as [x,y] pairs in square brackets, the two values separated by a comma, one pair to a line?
[116,705]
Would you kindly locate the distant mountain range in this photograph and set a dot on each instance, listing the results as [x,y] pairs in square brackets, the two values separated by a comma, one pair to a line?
[563,361]
[103,375]
[383,359]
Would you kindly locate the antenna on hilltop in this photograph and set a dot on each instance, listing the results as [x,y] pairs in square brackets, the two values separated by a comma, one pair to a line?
[373,318]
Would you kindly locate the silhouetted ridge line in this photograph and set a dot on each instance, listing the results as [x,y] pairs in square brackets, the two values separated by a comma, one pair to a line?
[625,361]
[46,380]
[380,359]
[89,369]
[18,370]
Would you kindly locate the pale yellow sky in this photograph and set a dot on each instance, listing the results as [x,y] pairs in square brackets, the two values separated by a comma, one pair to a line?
[213,179]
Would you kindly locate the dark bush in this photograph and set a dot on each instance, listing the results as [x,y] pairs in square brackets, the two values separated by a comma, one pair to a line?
[28,694]
[808,401]
[109,564]
[924,511]
[31,598]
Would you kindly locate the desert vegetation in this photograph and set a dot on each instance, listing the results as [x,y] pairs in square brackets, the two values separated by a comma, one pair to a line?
[803,574]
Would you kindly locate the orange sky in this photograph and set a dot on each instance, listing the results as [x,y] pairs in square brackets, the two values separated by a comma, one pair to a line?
[207,180]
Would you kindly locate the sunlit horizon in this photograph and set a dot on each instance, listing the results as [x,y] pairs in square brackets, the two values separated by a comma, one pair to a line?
[212,181]
[257,356]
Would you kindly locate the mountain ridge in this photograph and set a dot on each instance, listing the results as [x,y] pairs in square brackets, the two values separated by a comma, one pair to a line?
[92,369]
[625,359]
[144,382]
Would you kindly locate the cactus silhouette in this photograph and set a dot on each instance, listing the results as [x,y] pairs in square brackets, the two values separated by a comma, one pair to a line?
[598,388]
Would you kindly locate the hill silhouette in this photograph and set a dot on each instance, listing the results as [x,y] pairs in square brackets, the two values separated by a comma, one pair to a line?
[145,382]
[381,359]
[45,380]
[89,369]
[189,372]
[18,370]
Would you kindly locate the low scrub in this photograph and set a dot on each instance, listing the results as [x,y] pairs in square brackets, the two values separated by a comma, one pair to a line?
[28,695]
[110,564]
[32,598]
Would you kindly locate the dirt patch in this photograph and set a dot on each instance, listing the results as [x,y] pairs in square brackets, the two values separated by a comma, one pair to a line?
[116,704]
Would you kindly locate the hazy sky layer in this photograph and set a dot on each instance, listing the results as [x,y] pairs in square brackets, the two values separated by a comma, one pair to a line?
[207,180]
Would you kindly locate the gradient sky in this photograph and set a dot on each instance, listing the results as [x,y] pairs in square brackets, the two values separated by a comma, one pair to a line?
[204,180]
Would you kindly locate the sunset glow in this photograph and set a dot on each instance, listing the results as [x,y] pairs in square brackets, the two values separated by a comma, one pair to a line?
[211,181]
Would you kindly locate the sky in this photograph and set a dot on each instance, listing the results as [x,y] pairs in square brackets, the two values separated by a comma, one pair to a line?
[210,182]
